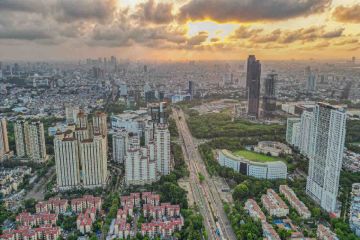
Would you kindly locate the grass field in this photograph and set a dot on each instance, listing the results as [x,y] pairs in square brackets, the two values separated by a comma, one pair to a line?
[253,156]
[215,125]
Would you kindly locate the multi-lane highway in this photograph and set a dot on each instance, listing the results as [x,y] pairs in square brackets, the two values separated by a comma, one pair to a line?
[205,194]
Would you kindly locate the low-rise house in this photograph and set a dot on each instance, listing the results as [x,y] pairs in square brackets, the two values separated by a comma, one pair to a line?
[354,215]
[324,233]
[27,219]
[122,229]
[10,179]
[274,204]
[87,201]
[254,210]
[165,209]
[46,232]
[162,228]
[295,202]
[124,212]
[133,199]
[269,232]
[150,198]
[55,205]
[85,220]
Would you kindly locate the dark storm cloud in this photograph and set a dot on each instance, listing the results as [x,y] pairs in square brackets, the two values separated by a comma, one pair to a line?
[250,10]
[123,34]
[349,14]
[23,5]
[97,10]
[158,13]
[24,34]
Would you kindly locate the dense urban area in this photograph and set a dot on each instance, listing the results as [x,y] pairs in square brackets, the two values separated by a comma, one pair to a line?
[113,149]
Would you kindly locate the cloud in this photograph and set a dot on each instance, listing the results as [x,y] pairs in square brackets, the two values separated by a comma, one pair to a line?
[198,39]
[244,32]
[215,39]
[349,14]
[250,10]
[271,37]
[152,12]
[346,42]
[96,10]
[24,34]
[23,5]
[303,34]
[125,33]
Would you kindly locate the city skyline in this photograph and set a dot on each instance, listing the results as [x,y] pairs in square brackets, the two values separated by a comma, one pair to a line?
[179,30]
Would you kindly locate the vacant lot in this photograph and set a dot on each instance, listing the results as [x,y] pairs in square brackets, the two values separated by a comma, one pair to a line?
[220,125]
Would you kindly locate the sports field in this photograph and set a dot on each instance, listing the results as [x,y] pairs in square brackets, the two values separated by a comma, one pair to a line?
[253,156]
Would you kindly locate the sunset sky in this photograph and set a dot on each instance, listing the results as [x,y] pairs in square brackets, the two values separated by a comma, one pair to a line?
[179,29]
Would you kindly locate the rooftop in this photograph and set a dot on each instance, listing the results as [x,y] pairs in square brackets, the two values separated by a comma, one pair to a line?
[257,157]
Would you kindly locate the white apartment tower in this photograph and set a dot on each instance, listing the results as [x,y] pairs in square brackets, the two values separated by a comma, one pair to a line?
[93,158]
[289,129]
[67,160]
[21,137]
[119,144]
[139,169]
[326,157]
[100,123]
[162,148]
[4,141]
[149,132]
[295,139]
[36,145]
[81,134]
[306,133]
[81,121]
[71,113]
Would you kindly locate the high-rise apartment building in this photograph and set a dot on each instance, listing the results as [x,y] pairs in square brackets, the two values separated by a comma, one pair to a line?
[99,126]
[269,99]
[71,113]
[191,89]
[30,140]
[67,160]
[21,137]
[139,167]
[82,121]
[295,139]
[311,80]
[306,133]
[93,159]
[253,86]
[81,134]
[80,156]
[4,141]
[290,129]
[326,157]
[149,132]
[100,123]
[158,112]
[36,144]
[162,146]
[119,145]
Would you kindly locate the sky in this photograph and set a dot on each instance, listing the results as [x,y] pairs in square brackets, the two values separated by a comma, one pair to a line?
[179,30]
